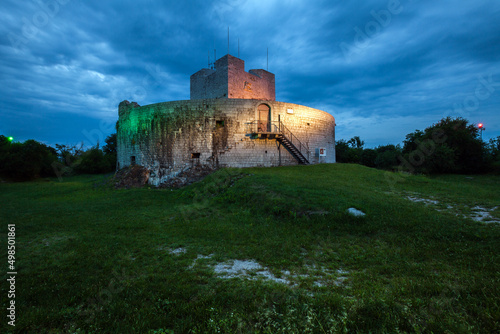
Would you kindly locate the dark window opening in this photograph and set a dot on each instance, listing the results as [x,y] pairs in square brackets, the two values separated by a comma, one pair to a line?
[266,152]
[219,124]
[195,159]
[132,160]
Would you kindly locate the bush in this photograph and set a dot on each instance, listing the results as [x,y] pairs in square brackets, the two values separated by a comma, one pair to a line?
[493,155]
[25,161]
[349,151]
[31,159]
[368,157]
[94,161]
[387,157]
[341,149]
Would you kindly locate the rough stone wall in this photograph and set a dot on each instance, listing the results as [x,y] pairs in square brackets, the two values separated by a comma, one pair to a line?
[172,136]
[229,80]
[209,84]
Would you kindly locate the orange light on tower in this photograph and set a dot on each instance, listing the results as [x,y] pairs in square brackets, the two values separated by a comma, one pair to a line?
[481,128]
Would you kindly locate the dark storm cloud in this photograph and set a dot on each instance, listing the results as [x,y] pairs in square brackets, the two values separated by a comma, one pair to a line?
[382,68]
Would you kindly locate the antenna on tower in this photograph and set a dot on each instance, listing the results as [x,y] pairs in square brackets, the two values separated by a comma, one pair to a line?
[227,40]
[267,59]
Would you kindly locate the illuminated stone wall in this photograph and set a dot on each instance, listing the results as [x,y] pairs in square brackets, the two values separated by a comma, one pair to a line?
[229,80]
[172,136]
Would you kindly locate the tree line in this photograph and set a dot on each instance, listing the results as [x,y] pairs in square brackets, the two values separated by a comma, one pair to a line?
[31,159]
[452,145]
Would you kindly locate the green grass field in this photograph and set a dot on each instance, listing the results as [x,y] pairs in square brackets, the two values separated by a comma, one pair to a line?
[92,259]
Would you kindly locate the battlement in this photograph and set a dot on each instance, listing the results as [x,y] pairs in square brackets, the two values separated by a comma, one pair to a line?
[230,81]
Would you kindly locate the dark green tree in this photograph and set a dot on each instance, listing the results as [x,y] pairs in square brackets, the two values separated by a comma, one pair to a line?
[94,161]
[26,161]
[356,142]
[449,146]
[494,148]
[111,143]
[69,154]
[341,150]
[349,151]
[387,156]
[493,155]
[110,152]
[368,157]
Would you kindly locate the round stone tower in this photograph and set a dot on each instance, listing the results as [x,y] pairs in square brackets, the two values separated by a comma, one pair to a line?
[231,120]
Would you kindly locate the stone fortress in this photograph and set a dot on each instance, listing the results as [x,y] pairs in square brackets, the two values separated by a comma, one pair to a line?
[231,120]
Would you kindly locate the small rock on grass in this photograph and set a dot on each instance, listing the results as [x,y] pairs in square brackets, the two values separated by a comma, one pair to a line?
[355,212]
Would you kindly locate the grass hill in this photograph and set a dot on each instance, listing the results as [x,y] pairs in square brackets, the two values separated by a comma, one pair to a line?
[258,250]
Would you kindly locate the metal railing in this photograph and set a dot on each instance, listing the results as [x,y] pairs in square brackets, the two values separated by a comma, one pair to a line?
[294,140]
[256,127]
[263,127]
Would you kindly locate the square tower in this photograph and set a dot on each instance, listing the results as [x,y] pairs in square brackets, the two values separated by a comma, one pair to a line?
[230,81]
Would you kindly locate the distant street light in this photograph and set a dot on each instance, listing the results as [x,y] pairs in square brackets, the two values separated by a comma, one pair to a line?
[481,128]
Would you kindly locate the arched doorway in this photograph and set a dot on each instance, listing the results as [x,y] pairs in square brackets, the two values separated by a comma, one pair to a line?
[264,118]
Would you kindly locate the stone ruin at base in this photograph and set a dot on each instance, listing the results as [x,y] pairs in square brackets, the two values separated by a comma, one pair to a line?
[231,120]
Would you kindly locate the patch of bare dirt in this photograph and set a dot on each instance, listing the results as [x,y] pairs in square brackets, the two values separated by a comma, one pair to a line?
[131,177]
[188,176]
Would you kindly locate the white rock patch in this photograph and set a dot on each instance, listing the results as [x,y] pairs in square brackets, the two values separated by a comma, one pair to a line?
[238,268]
[251,269]
[176,251]
[481,214]
[355,212]
[422,200]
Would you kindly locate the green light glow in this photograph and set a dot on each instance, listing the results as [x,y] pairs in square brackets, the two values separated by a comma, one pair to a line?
[10,138]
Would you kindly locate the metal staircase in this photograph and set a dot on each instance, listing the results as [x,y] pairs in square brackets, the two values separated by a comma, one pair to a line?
[278,131]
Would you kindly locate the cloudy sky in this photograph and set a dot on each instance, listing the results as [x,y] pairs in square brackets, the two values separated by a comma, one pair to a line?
[381,68]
